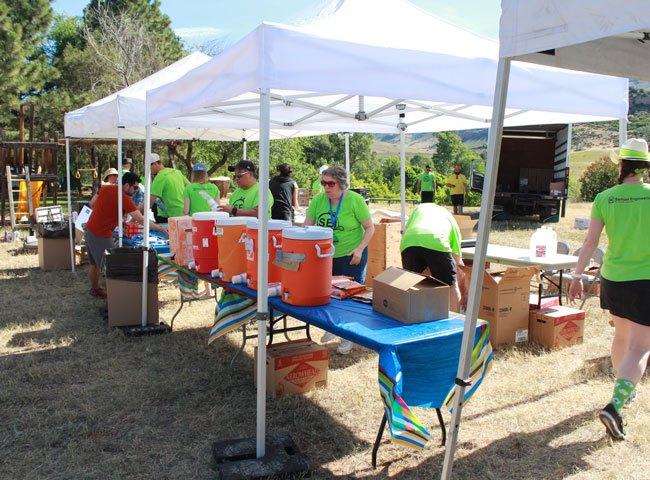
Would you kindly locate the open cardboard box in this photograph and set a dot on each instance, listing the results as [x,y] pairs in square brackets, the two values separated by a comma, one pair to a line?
[410,297]
[466,226]
[505,303]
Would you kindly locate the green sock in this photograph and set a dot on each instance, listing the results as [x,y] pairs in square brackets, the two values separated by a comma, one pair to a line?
[622,390]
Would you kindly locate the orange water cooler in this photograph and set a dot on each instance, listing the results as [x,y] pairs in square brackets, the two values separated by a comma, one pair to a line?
[306,259]
[204,241]
[231,235]
[275,243]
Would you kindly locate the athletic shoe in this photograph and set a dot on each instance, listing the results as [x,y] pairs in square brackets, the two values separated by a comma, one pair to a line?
[327,336]
[613,422]
[344,347]
[97,292]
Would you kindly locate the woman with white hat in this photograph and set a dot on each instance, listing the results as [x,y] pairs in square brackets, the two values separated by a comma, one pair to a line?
[625,274]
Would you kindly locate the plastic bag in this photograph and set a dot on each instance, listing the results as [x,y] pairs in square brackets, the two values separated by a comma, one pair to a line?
[53,229]
[125,263]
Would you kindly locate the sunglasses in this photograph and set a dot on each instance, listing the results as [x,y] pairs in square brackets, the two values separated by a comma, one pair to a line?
[325,183]
[239,175]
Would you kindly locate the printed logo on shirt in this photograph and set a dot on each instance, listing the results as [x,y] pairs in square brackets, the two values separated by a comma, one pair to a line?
[626,200]
[325,220]
[239,203]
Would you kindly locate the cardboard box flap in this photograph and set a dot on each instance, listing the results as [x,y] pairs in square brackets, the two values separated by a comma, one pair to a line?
[518,273]
[487,278]
[405,280]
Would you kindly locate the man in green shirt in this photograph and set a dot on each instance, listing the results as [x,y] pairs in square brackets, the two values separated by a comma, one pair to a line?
[244,202]
[316,187]
[432,239]
[168,185]
[427,185]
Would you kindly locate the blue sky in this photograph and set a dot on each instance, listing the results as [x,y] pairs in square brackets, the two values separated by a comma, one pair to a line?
[197,21]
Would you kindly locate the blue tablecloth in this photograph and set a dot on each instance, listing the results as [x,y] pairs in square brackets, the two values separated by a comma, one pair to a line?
[417,363]
[156,240]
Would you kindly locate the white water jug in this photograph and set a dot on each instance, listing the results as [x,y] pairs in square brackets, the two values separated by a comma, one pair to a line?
[543,243]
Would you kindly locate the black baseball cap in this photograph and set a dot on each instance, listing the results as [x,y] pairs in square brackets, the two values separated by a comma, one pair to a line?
[243,165]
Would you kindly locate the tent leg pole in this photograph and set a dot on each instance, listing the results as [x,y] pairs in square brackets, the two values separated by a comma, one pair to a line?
[402,174]
[145,230]
[347,154]
[119,185]
[262,270]
[485,221]
[70,227]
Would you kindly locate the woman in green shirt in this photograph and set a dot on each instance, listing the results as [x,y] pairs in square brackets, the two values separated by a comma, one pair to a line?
[347,214]
[200,195]
[624,210]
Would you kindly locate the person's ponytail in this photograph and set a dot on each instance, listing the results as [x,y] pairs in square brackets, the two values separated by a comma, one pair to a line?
[632,167]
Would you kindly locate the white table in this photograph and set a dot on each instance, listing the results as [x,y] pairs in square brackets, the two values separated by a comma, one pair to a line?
[520,257]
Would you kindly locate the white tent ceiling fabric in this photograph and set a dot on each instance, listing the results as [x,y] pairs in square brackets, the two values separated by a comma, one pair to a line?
[590,35]
[392,53]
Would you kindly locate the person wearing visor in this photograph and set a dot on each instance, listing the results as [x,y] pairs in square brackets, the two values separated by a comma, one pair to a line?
[168,185]
[244,202]
[109,178]
[200,195]
[347,214]
[624,211]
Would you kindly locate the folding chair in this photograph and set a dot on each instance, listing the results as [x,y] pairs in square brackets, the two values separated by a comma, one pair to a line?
[553,276]
[593,278]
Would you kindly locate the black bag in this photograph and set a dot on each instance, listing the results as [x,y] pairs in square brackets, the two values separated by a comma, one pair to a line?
[125,263]
[53,229]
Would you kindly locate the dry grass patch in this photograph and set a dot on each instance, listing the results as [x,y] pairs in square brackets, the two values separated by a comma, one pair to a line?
[79,400]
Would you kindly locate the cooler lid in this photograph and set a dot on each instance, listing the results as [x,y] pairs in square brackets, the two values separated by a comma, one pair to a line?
[307,233]
[253,224]
[209,215]
[233,220]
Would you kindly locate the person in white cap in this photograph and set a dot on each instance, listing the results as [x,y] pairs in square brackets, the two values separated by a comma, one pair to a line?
[168,185]
[624,275]
[109,178]
[316,187]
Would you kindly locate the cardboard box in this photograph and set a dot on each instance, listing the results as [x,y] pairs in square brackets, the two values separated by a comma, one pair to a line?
[54,254]
[180,240]
[534,304]
[383,249]
[303,197]
[410,297]
[557,188]
[125,303]
[466,226]
[294,368]
[557,327]
[505,303]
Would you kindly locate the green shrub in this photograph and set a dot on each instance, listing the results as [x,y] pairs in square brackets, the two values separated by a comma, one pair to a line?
[599,176]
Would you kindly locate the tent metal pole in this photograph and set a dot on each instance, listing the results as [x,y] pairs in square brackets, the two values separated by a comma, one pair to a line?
[485,222]
[145,230]
[243,145]
[262,270]
[622,131]
[347,155]
[119,187]
[70,227]
[401,126]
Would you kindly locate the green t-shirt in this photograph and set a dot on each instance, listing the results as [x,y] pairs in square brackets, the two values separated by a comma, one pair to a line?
[426,181]
[348,231]
[316,187]
[249,198]
[432,226]
[197,202]
[625,211]
[169,185]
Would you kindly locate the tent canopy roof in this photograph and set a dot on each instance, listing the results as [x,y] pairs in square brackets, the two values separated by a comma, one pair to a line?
[590,35]
[345,64]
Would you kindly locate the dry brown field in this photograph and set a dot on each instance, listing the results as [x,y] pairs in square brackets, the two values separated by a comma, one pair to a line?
[80,400]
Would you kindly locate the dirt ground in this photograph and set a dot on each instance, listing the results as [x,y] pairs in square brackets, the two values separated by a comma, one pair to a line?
[81,400]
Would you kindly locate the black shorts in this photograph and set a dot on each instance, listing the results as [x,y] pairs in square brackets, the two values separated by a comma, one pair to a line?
[457,199]
[629,300]
[441,264]
[426,197]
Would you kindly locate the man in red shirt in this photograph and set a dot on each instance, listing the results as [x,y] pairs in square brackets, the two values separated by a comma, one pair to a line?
[98,232]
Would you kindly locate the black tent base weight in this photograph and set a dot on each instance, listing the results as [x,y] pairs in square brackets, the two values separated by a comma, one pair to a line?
[139,330]
[236,459]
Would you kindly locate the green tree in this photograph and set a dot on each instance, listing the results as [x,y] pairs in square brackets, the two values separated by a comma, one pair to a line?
[451,151]
[25,69]
[600,175]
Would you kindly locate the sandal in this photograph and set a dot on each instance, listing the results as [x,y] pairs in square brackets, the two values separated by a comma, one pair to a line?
[97,292]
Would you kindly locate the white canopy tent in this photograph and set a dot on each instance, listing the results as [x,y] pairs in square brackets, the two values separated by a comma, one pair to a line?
[339,68]
[588,35]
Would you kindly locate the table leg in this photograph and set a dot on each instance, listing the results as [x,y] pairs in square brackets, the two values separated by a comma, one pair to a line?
[241,349]
[376,445]
[560,287]
[177,312]
[443,430]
